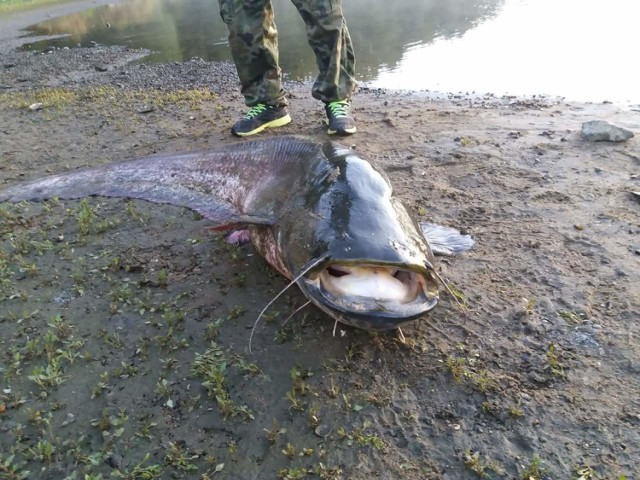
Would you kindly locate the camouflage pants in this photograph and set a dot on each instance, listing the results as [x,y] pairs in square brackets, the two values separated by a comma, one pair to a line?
[253,38]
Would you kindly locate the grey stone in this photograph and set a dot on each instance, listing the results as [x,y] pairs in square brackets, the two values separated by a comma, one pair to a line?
[601,131]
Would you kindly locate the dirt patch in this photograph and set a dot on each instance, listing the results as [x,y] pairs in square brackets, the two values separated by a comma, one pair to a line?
[125,325]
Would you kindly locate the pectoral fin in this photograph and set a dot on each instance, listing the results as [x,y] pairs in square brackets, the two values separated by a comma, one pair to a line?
[445,240]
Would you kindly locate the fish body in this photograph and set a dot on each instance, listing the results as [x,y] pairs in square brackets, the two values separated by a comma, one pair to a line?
[316,211]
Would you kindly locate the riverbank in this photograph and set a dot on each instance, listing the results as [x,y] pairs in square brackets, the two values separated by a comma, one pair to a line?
[125,325]
[13,23]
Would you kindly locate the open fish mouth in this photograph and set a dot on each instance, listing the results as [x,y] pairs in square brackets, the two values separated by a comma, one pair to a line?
[371,296]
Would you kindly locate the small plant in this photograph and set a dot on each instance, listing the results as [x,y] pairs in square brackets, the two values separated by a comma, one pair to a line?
[235,312]
[361,438]
[475,463]
[103,384]
[110,426]
[334,390]
[289,450]
[456,368]
[178,458]
[212,367]
[43,451]
[11,470]
[570,316]
[274,432]
[535,470]
[314,417]
[140,472]
[162,277]
[145,429]
[85,215]
[48,376]
[584,472]
[296,403]
[516,411]
[60,328]
[554,363]
[529,305]
[292,473]
[111,339]
[368,439]
[298,377]
[163,388]
[213,329]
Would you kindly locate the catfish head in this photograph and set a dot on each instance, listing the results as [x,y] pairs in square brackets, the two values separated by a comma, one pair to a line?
[352,247]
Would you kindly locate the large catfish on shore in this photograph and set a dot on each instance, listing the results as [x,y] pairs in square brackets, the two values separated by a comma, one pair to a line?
[318,213]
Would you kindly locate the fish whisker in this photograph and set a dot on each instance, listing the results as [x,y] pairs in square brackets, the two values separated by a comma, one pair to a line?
[401,336]
[464,309]
[296,311]
[446,286]
[293,282]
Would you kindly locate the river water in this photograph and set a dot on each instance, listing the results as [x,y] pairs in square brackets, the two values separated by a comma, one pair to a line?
[579,49]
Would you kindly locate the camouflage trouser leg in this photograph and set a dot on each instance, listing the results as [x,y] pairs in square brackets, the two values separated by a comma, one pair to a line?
[254,46]
[328,35]
[253,38]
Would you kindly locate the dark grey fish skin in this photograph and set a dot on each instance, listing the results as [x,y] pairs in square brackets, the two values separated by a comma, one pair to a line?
[305,203]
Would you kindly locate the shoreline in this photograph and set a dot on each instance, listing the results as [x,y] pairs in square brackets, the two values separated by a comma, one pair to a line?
[13,25]
[13,36]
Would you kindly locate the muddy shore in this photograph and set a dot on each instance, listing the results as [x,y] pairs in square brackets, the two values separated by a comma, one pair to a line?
[125,325]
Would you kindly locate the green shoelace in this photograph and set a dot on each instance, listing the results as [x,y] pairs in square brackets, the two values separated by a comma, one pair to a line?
[339,109]
[256,110]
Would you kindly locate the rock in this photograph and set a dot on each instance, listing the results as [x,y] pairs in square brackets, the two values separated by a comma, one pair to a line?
[101,68]
[601,131]
[115,461]
[35,106]
[146,109]
[322,430]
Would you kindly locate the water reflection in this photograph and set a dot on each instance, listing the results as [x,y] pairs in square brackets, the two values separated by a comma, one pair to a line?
[382,31]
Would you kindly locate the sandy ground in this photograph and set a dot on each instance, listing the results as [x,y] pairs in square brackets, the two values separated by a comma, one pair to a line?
[125,325]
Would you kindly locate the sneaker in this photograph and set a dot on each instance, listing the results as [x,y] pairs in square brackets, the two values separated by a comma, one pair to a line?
[338,118]
[259,117]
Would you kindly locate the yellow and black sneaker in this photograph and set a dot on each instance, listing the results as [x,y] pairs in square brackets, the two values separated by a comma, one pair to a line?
[338,118]
[259,117]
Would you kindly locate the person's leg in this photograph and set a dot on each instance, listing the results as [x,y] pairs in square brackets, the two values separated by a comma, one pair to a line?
[329,38]
[253,39]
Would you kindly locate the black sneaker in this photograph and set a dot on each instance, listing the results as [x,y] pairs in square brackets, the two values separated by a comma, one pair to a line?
[338,118]
[258,118]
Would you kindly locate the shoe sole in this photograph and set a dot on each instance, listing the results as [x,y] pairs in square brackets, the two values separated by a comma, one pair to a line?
[278,122]
[346,131]
[342,133]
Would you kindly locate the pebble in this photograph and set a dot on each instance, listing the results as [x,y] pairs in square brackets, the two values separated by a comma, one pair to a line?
[70,419]
[322,430]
